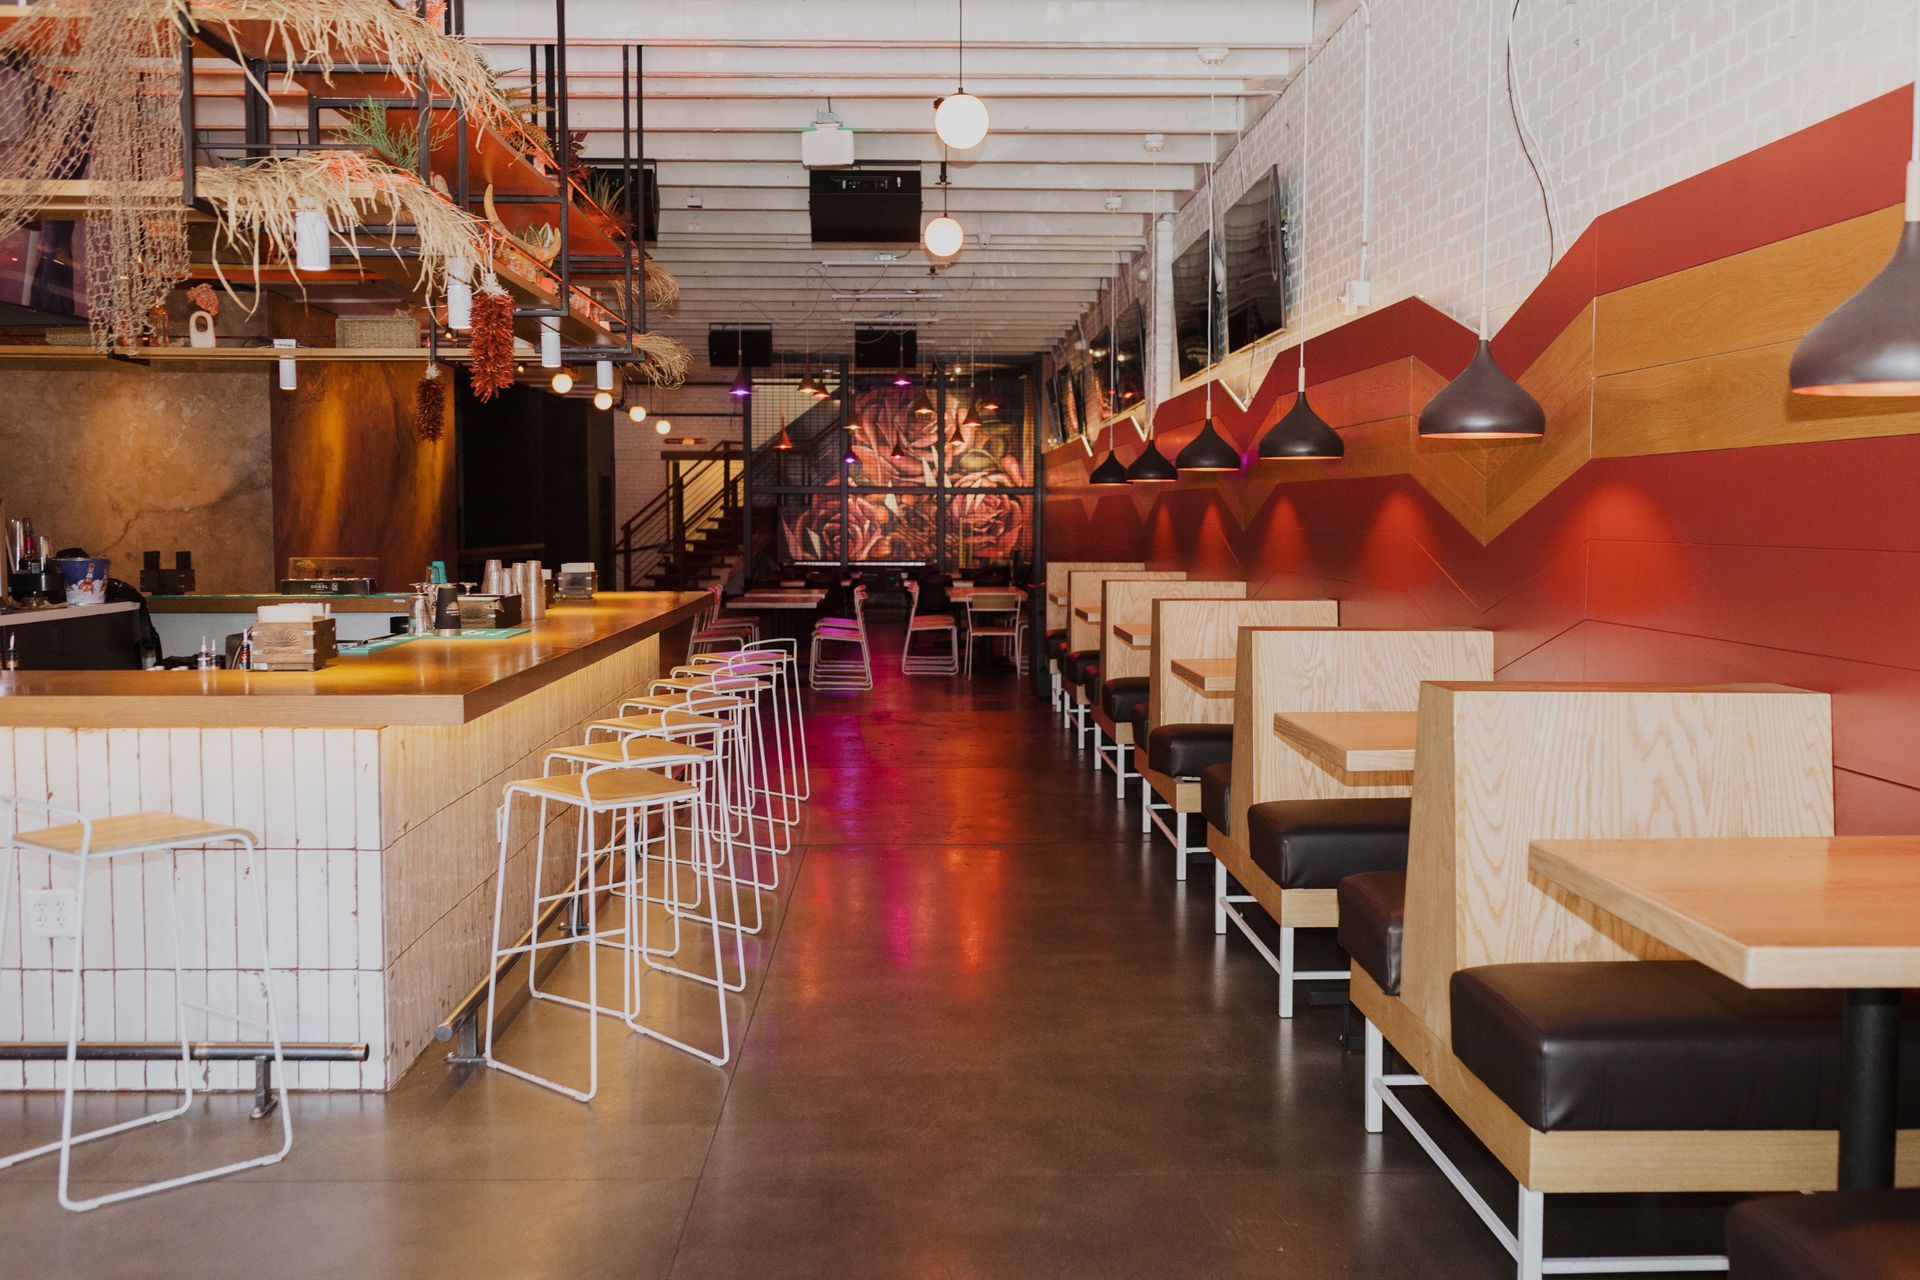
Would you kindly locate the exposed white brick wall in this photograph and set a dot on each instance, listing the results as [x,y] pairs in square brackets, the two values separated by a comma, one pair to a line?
[1624,96]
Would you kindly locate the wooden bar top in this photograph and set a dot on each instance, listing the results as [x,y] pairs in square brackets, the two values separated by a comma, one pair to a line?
[384,602]
[1212,676]
[1809,911]
[1357,741]
[424,681]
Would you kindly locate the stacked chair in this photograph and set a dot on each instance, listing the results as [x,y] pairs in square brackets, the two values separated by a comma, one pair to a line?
[684,803]
[841,657]
[994,617]
[932,625]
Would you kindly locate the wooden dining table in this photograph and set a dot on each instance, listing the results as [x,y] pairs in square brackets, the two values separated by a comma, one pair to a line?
[1354,741]
[1211,676]
[807,598]
[1836,912]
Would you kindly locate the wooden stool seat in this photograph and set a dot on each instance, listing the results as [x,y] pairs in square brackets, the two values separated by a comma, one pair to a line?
[648,752]
[609,788]
[128,832]
[657,722]
[665,701]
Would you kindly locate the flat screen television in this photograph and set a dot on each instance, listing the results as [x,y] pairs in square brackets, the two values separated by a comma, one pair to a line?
[1132,357]
[1254,234]
[1101,393]
[43,276]
[1190,280]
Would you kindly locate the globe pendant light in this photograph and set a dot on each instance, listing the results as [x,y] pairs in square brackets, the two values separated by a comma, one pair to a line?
[636,413]
[1870,344]
[960,119]
[1302,434]
[1208,452]
[1483,403]
[943,237]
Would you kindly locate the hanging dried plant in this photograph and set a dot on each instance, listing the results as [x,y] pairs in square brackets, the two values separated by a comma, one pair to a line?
[662,361]
[430,405]
[319,37]
[491,342]
[93,92]
[260,202]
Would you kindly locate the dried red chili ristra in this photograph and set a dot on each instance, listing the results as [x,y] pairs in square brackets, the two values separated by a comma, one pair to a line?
[430,405]
[491,369]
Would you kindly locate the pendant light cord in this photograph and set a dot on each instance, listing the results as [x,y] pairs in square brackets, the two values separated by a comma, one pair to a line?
[1306,108]
[1213,236]
[1486,189]
[960,75]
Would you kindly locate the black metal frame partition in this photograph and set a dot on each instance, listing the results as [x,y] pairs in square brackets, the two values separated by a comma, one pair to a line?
[938,381]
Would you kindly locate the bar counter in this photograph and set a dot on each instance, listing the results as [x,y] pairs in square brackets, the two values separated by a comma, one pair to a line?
[373,785]
[427,680]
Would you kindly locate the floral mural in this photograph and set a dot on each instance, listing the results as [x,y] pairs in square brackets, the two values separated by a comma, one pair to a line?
[982,461]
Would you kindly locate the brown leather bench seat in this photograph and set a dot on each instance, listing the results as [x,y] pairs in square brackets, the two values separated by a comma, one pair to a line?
[1373,916]
[1090,680]
[1658,1044]
[1056,644]
[1186,750]
[1119,697]
[1216,797]
[1315,844]
[1836,1235]
[1074,666]
[1138,719]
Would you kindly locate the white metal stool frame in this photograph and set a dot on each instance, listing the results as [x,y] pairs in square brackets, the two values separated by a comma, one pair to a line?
[11,845]
[771,780]
[716,721]
[750,778]
[587,806]
[784,652]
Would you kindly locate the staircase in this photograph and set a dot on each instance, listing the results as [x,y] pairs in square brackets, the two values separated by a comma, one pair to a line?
[688,536]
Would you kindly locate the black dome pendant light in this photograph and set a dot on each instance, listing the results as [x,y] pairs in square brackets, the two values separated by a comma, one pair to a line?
[1109,472]
[1483,403]
[1870,344]
[1209,452]
[1302,434]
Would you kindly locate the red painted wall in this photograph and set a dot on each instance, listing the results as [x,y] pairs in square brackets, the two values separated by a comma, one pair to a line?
[1797,563]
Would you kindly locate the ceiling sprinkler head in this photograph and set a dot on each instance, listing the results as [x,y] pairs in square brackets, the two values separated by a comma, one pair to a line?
[1213,55]
[1154,143]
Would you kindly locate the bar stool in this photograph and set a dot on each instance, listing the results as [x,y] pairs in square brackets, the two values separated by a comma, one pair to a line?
[82,842]
[753,775]
[631,797]
[713,631]
[716,723]
[783,652]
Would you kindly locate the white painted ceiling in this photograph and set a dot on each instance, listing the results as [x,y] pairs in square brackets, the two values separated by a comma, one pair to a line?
[1074,87]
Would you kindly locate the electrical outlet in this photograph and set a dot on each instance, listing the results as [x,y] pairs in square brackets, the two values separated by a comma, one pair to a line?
[52,913]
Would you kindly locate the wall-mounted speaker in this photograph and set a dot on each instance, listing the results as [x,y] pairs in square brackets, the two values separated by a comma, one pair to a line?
[725,345]
[885,348]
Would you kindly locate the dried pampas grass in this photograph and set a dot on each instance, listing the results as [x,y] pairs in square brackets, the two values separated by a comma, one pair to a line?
[260,202]
[663,361]
[320,37]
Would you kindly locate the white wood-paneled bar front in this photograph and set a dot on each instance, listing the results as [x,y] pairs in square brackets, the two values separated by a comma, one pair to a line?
[372,785]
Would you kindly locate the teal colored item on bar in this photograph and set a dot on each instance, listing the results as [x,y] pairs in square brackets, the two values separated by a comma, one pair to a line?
[437,571]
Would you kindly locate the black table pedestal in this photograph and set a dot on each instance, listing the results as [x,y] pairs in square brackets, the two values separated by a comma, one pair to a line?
[1869,1079]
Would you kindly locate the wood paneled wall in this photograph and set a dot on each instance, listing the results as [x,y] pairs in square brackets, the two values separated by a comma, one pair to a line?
[351,479]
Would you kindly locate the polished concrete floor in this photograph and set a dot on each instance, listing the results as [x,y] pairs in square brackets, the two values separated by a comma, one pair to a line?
[985,1034]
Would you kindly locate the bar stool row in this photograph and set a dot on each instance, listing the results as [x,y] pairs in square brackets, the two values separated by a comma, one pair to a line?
[1580,1053]
[684,804]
